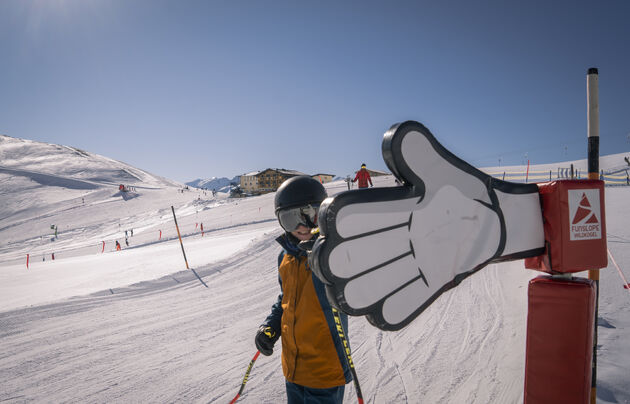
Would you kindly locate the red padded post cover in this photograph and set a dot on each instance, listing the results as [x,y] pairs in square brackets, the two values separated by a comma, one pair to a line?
[559,347]
[575,227]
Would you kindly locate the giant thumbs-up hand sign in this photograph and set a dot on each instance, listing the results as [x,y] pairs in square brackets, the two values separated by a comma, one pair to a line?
[388,253]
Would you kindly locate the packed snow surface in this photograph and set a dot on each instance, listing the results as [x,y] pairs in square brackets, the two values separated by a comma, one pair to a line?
[100,325]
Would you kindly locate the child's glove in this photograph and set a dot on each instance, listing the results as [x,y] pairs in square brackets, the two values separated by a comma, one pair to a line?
[266,337]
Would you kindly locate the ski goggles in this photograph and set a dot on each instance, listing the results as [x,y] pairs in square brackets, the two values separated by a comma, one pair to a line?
[290,219]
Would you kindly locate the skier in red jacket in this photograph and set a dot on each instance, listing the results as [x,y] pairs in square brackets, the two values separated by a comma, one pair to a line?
[363,176]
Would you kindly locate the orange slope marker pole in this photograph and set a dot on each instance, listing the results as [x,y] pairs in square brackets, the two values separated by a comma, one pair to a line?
[626,285]
[180,237]
[184,252]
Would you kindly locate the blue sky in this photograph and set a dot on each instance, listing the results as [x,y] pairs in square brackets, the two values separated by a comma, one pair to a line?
[189,89]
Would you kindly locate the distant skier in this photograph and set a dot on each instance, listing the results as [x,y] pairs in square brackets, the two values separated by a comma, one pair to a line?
[313,354]
[117,246]
[127,241]
[363,176]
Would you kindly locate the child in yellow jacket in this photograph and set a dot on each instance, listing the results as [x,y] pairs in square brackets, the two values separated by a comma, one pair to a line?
[313,357]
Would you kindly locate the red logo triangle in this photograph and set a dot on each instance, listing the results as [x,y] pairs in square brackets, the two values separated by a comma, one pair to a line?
[592,219]
[584,202]
[584,210]
[580,214]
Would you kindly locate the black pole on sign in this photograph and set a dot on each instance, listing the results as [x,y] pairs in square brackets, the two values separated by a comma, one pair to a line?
[592,91]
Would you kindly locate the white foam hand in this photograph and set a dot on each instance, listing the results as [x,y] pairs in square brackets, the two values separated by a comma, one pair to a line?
[389,252]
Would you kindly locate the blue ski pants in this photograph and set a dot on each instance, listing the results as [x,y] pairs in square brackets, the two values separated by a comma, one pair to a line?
[297,394]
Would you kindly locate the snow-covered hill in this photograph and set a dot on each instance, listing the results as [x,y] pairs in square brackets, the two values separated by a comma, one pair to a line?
[40,178]
[99,325]
[65,162]
[46,185]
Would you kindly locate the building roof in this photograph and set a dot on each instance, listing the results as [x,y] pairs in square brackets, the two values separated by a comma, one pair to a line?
[282,171]
[251,174]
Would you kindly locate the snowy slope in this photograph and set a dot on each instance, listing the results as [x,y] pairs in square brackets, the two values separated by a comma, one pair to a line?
[70,162]
[43,184]
[614,169]
[609,164]
[98,325]
[63,174]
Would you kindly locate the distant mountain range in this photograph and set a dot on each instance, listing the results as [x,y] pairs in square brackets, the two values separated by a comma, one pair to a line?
[219,184]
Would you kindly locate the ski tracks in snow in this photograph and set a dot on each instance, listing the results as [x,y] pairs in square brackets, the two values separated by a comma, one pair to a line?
[453,351]
[168,340]
[173,340]
[387,372]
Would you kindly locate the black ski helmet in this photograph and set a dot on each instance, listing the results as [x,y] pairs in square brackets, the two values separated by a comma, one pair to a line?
[299,191]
